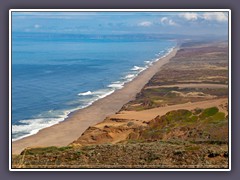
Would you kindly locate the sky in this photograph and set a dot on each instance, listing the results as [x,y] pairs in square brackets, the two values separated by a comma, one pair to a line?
[186,23]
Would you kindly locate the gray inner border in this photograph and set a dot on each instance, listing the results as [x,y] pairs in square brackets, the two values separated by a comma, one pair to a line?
[98,4]
[114,169]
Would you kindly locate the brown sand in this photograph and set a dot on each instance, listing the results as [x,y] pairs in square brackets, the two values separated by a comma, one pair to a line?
[147,115]
[71,129]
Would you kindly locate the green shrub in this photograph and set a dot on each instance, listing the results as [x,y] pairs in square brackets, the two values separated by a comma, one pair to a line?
[217,118]
[209,112]
[64,148]
[45,150]
[78,153]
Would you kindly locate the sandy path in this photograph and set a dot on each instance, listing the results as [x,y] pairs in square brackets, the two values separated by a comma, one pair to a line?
[192,85]
[149,114]
[69,130]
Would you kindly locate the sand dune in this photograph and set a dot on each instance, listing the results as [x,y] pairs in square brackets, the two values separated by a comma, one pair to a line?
[147,115]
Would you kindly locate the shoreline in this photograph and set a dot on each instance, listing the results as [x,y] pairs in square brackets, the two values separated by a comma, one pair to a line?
[71,128]
[111,88]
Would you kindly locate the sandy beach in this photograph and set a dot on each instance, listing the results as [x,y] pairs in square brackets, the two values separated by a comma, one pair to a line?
[71,129]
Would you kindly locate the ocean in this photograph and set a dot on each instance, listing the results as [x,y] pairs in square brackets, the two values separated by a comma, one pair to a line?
[54,75]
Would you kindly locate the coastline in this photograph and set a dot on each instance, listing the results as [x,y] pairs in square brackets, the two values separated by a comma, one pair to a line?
[78,121]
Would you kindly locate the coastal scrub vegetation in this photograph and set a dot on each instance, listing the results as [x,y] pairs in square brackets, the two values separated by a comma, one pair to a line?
[180,138]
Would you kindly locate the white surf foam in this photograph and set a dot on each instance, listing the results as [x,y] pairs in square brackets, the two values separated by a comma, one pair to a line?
[104,94]
[137,68]
[28,127]
[32,126]
[85,93]
[149,63]
[129,76]
[117,85]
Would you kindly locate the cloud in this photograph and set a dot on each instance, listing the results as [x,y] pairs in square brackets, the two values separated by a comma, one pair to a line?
[189,16]
[145,23]
[167,21]
[215,16]
[208,16]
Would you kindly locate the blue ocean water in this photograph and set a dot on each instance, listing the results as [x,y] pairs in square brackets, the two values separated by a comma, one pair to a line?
[55,75]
